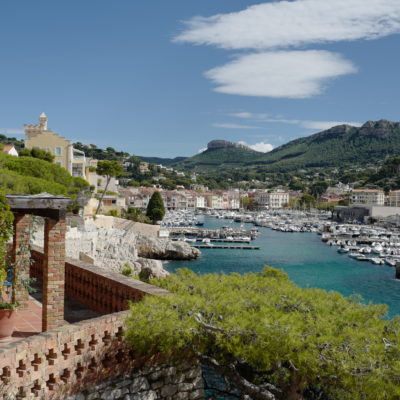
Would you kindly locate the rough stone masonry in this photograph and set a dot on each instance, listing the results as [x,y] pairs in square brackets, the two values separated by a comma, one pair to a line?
[164,382]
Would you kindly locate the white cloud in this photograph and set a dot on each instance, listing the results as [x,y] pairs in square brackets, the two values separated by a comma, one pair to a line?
[308,124]
[288,74]
[267,27]
[201,150]
[234,126]
[295,23]
[261,146]
[249,115]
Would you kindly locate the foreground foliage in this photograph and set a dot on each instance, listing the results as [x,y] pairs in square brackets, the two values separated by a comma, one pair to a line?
[6,220]
[272,339]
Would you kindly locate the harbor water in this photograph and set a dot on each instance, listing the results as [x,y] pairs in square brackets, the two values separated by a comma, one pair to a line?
[306,259]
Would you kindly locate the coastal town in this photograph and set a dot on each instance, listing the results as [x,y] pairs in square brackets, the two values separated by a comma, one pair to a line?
[200,200]
[348,203]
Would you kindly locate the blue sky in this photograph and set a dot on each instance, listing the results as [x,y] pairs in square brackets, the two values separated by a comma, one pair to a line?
[162,78]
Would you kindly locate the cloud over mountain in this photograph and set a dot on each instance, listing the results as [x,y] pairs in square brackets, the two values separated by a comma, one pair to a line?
[263,147]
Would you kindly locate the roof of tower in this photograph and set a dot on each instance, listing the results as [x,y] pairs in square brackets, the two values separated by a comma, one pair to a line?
[43,115]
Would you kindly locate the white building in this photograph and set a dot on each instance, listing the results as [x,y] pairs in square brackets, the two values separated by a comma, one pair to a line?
[200,202]
[10,150]
[394,198]
[271,200]
[368,196]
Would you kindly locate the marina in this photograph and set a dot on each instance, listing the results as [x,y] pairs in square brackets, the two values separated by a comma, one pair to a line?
[308,260]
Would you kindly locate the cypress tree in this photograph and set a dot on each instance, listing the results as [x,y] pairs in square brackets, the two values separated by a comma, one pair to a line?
[155,208]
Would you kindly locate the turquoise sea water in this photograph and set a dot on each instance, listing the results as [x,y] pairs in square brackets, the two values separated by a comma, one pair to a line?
[308,261]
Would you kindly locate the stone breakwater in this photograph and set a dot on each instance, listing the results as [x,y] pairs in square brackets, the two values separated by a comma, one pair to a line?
[114,249]
[164,382]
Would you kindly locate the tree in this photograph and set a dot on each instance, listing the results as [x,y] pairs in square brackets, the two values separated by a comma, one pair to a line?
[37,153]
[109,169]
[155,209]
[307,200]
[344,202]
[248,203]
[271,339]
[318,188]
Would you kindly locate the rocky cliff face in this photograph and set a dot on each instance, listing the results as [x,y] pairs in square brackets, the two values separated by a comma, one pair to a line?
[219,144]
[113,249]
[382,128]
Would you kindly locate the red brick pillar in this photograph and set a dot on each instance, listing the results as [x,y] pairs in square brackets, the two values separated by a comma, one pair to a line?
[53,274]
[21,259]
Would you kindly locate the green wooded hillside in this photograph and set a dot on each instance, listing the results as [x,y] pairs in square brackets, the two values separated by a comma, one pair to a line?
[336,147]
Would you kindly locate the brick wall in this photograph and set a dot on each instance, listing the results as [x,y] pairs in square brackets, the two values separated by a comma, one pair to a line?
[73,360]
[91,360]
[65,360]
[100,290]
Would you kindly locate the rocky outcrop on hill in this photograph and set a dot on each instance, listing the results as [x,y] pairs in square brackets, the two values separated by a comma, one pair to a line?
[382,128]
[221,144]
[165,249]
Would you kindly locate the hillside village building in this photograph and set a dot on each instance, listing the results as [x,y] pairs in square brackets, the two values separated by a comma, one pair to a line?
[272,200]
[39,136]
[10,150]
[393,199]
[368,196]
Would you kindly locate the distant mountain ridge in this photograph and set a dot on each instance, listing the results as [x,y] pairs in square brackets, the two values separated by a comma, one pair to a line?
[337,146]
[164,161]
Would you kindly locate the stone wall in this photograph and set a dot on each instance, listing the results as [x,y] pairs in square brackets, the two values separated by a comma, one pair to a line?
[106,221]
[183,381]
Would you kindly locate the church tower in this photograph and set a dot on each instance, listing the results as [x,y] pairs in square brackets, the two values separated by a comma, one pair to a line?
[43,121]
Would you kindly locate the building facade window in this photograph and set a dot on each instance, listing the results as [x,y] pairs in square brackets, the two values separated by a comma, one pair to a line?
[57,151]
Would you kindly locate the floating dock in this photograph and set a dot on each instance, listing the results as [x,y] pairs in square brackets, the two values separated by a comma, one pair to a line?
[212,233]
[213,240]
[219,246]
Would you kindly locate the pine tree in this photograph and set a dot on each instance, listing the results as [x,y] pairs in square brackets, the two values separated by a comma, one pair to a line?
[270,339]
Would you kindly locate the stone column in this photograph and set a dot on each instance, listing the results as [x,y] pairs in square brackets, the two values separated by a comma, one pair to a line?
[53,274]
[21,259]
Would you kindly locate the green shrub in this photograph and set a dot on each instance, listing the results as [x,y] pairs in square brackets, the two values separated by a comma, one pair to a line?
[127,270]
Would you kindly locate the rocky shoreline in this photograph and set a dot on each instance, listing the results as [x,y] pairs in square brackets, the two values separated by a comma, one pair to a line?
[117,248]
